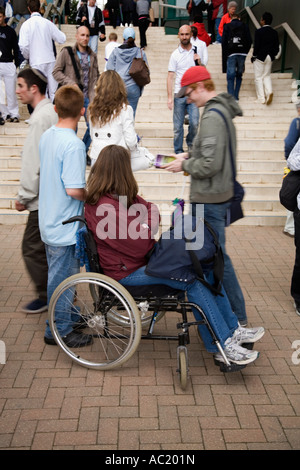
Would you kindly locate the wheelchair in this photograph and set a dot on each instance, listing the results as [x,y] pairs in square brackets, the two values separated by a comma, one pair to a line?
[118,318]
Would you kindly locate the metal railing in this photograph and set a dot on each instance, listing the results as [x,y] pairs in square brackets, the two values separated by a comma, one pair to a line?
[287,33]
[52,11]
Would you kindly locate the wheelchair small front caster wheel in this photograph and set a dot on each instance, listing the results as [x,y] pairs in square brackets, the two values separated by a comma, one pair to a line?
[182,367]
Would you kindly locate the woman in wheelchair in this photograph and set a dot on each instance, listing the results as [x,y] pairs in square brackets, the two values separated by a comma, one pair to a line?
[124,226]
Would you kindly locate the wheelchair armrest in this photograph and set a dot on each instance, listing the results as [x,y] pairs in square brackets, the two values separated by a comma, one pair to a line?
[76,218]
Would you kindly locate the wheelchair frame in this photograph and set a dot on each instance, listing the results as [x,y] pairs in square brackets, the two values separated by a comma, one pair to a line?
[115,316]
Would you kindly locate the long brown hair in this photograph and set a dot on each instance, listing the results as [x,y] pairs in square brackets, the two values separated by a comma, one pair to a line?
[110,97]
[112,174]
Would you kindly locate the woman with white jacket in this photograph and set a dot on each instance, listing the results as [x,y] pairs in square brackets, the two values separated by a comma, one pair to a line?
[112,122]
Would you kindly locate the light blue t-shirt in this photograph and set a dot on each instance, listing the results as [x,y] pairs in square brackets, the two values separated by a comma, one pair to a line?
[63,164]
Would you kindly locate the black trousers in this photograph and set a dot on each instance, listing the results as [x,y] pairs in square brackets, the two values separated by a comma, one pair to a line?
[143,26]
[295,286]
[34,254]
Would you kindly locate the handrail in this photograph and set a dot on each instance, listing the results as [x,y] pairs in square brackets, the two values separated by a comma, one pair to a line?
[52,9]
[288,32]
[162,4]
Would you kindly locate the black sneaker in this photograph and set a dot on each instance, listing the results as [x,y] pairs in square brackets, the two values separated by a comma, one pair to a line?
[8,117]
[88,160]
[36,306]
[72,340]
[2,122]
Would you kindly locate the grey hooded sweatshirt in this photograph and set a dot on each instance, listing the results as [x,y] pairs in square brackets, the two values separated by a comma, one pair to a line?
[121,59]
[209,164]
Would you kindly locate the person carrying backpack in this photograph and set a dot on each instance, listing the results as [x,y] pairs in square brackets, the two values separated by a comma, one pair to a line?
[236,43]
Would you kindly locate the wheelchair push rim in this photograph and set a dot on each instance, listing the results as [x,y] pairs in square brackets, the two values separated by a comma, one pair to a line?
[112,345]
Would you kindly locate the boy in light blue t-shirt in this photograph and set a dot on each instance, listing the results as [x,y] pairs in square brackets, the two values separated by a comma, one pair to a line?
[62,194]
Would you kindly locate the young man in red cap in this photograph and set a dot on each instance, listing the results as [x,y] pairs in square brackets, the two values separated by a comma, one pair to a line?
[209,164]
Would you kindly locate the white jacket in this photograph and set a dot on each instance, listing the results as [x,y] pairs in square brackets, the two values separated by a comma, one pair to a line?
[119,131]
[36,40]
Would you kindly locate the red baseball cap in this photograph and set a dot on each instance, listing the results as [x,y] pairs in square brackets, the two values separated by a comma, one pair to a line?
[195,74]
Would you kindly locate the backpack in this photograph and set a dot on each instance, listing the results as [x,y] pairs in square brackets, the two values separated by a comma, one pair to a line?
[289,190]
[236,41]
[187,251]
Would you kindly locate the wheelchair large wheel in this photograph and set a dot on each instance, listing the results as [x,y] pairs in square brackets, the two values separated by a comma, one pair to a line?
[112,344]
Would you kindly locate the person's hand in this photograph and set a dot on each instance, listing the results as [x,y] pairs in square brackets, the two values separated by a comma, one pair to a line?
[197,59]
[20,207]
[176,165]
[84,18]
[170,104]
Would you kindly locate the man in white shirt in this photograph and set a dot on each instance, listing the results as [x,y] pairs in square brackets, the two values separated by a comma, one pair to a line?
[181,60]
[37,43]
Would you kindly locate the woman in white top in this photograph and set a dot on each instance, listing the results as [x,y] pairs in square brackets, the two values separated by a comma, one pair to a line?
[112,121]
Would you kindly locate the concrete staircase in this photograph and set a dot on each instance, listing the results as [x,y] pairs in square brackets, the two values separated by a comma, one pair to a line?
[260,133]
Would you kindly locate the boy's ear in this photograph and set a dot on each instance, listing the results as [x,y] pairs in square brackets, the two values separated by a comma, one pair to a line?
[82,111]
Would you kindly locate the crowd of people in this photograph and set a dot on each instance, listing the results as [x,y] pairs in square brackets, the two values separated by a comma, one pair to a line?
[60,89]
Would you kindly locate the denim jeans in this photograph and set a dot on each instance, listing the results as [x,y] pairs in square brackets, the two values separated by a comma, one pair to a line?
[181,108]
[217,24]
[87,140]
[133,96]
[215,215]
[235,70]
[216,308]
[61,264]
[93,43]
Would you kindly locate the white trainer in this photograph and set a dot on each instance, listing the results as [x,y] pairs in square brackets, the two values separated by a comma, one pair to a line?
[237,354]
[248,335]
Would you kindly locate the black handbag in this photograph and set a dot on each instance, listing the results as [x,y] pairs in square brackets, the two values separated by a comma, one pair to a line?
[290,189]
[139,71]
[235,211]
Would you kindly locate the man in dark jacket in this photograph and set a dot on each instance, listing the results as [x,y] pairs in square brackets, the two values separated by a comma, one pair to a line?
[266,47]
[90,15]
[236,43]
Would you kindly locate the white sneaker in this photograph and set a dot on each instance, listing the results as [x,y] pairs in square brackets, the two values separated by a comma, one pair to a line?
[237,354]
[259,102]
[247,335]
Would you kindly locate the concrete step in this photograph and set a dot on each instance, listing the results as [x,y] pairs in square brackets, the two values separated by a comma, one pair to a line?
[260,134]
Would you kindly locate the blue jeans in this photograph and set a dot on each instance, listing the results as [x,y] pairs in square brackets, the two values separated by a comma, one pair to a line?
[133,96]
[93,43]
[235,70]
[181,108]
[217,24]
[215,215]
[87,136]
[61,264]
[216,308]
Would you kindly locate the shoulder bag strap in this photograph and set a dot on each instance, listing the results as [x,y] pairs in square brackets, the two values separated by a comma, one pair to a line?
[77,73]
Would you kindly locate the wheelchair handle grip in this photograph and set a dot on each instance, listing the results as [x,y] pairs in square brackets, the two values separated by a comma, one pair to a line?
[76,218]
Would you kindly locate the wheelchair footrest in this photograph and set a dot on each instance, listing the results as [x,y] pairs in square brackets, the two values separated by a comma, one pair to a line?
[229,368]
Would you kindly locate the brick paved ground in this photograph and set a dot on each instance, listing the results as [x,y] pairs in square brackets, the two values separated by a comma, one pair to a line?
[47,402]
